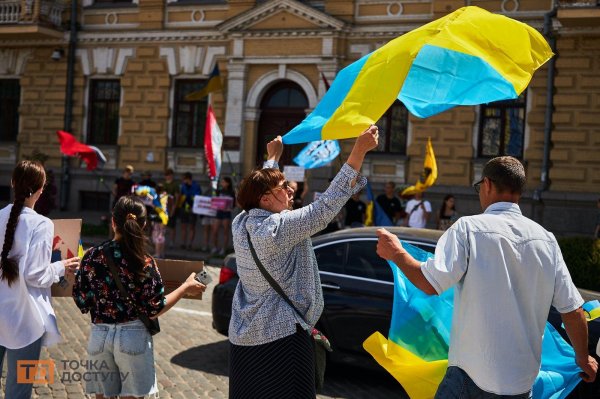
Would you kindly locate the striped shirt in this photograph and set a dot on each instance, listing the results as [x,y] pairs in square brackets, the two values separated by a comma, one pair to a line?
[282,241]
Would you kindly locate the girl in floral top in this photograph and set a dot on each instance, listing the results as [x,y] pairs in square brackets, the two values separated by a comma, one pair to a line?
[120,343]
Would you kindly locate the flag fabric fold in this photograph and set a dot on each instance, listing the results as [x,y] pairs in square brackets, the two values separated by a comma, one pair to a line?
[416,350]
[429,175]
[213,84]
[431,69]
[71,147]
[213,141]
[317,154]
[375,215]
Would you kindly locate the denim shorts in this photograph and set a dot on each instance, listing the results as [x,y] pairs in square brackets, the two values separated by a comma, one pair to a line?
[121,360]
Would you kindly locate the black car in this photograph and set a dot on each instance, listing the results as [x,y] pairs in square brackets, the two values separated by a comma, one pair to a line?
[358,290]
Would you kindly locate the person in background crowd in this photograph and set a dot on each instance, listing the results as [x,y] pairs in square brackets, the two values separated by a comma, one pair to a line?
[597,232]
[189,189]
[119,340]
[390,203]
[417,211]
[269,341]
[300,191]
[223,218]
[507,271]
[147,180]
[447,214]
[356,211]
[27,320]
[173,190]
[123,185]
[158,227]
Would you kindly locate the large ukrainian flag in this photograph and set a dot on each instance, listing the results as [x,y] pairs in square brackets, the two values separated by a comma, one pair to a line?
[468,57]
[416,350]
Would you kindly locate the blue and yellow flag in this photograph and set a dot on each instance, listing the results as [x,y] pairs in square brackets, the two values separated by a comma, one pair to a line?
[375,216]
[429,175]
[213,84]
[468,57]
[415,352]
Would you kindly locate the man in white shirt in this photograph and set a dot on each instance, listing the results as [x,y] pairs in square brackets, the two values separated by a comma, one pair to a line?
[507,270]
[418,211]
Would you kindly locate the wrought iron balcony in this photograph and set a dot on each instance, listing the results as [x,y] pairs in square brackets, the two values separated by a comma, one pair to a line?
[48,13]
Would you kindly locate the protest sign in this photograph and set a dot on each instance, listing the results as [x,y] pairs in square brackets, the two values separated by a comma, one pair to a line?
[203,206]
[222,203]
[295,173]
[65,245]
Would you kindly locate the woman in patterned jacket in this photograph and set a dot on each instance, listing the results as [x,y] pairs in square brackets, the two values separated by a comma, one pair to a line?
[271,354]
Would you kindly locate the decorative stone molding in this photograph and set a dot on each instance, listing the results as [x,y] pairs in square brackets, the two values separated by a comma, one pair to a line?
[264,82]
[13,61]
[509,6]
[191,59]
[246,19]
[360,49]
[104,60]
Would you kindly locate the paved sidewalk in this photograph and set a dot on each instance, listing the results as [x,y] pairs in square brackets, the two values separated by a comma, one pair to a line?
[191,357]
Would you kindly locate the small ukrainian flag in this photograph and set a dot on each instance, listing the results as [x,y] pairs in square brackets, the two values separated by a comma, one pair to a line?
[80,250]
[213,84]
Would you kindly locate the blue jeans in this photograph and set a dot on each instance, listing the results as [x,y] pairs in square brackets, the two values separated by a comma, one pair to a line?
[29,352]
[458,385]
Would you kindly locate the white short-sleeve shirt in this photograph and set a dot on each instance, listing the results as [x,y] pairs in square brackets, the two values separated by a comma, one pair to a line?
[507,270]
[416,213]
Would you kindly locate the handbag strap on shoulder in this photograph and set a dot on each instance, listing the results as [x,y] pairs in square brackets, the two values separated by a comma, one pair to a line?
[271,280]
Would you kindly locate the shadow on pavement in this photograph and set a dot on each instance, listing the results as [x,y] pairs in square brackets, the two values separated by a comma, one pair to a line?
[211,358]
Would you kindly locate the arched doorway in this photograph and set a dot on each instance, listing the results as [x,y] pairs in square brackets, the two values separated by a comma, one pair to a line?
[283,106]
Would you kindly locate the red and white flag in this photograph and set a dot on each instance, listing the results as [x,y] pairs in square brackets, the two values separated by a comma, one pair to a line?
[213,140]
[71,147]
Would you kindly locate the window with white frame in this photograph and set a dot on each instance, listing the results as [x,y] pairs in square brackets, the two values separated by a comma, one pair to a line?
[189,117]
[502,128]
[10,95]
[393,129]
[103,117]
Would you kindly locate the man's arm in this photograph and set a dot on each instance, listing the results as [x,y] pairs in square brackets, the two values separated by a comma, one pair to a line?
[576,327]
[389,248]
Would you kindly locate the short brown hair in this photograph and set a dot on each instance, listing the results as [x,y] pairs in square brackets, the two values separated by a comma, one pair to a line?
[257,184]
[506,173]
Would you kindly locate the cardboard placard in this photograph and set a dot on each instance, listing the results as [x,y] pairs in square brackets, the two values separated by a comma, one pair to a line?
[65,243]
[175,272]
[203,206]
[295,173]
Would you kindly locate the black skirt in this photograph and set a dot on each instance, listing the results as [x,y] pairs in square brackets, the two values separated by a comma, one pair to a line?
[280,369]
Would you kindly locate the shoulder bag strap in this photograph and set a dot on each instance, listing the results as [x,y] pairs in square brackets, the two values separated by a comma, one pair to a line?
[115,274]
[271,280]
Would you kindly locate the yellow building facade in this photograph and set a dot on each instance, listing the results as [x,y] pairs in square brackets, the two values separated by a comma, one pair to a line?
[134,61]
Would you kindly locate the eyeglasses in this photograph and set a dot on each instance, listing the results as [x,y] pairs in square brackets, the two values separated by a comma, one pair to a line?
[477,186]
[283,186]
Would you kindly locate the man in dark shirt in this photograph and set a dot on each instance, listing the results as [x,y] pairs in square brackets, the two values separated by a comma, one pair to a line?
[123,184]
[355,212]
[390,203]
[147,180]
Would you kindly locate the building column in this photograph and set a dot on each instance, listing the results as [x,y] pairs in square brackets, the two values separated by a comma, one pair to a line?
[234,124]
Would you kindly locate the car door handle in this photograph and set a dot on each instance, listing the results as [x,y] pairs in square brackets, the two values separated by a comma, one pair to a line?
[330,286]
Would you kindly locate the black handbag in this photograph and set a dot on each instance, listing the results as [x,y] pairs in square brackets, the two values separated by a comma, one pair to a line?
[321,343]
[151,324]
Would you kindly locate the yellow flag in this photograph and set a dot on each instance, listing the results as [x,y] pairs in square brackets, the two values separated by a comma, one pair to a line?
[429,175]
[80,251]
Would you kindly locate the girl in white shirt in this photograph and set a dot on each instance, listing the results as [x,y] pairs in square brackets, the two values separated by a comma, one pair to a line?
[27,320]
